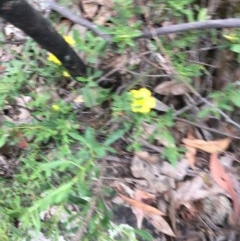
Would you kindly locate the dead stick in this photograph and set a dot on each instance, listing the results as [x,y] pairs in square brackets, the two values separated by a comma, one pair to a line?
[183,27]
[177,28]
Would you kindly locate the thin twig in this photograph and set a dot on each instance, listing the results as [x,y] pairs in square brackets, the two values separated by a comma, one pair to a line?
[183,27]
[107,75]
[207,102]
[177,28]
[207,128]
[148,75]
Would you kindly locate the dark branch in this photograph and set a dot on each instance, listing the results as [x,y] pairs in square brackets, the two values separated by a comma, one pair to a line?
[25,17]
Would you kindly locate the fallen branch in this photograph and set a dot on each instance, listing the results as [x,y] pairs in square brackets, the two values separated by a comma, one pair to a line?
[183,27]
[177,28]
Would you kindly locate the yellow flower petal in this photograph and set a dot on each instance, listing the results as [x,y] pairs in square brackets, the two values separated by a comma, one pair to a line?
[69,40]
[141,93]
[142,101]
[230,37]
[145,92]
[66,74]
[56,107]
[151,102]
[54,59]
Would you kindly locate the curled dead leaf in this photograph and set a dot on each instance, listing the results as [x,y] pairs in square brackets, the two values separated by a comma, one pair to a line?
[147,209]
[208,146]
[223,180]
[161,225]
[172,88]
[153,214]
[191,151]
[141,196]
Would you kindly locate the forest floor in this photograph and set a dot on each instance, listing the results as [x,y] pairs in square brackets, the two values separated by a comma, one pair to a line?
[145,147]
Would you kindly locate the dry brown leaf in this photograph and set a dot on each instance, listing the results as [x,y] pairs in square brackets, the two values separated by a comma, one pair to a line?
[142,196]
[98,10]
[196,189]
[161,106]
[223,180]
[90,9]
[191,151]
[189,191]
[142,210]
[161,225]
[208,146]
[21,141]
[123,188]
[139,214]
[178,172]
[144,155]
[147,209]
[172,88]
[191,156]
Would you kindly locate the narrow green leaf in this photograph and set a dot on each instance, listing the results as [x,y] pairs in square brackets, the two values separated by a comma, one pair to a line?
[3,139]
[114,137]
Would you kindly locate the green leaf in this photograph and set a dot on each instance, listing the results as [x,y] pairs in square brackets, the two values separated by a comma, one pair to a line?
[143,234]
[172,154]
[114,137]
[90,96]
[204,112]
[235,99]
[76,136]
[235,48]
[3,139]
[48,167]
[100,151]
[202,15]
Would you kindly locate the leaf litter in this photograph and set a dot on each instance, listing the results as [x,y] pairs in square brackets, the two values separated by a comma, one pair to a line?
[170,197]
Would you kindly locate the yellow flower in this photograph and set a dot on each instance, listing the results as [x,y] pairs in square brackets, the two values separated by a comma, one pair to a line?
[69,40]
[231,37]
[142,101]
[54,59]
[56,107]
[66,74]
